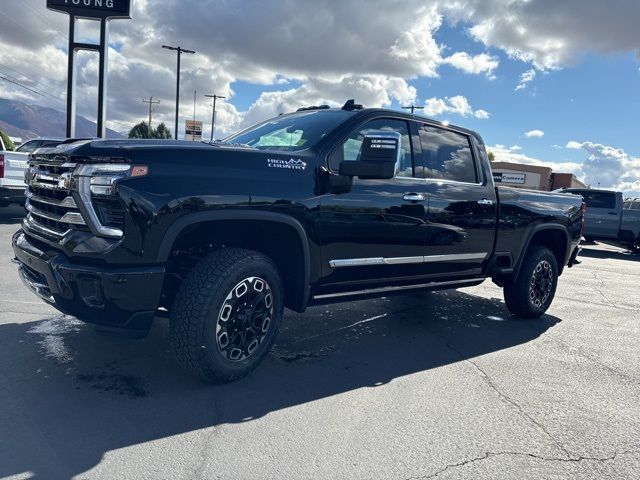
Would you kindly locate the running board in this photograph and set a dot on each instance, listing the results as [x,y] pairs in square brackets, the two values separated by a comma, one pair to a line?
[399,289]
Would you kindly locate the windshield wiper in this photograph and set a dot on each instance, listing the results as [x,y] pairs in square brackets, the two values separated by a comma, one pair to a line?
[222,143]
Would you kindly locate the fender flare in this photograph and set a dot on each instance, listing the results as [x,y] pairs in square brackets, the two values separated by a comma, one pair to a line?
[202,217]
[532,232]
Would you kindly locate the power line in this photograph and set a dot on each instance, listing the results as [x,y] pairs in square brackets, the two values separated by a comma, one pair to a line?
[16,81]
[38,82]
[19,84]
[42,17]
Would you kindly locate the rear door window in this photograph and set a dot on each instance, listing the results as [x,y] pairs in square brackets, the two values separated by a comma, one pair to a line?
[447,155]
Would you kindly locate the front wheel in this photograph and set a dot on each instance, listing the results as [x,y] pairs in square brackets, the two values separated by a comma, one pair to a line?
[531,294]
[226,314]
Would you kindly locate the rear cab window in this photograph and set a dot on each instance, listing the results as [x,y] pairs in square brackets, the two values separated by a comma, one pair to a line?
[597,199]
[447,155]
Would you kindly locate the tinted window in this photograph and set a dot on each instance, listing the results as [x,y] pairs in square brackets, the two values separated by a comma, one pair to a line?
[291,132]
[351,149]
[29,146]
[598,199]
[447,155]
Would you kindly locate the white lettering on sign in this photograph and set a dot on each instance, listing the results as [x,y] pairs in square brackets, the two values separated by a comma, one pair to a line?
[91,3]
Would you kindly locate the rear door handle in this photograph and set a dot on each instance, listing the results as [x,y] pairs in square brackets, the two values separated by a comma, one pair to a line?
[613,213]
[414,197]
[485,202]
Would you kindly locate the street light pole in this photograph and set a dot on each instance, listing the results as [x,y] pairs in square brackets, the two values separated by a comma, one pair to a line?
[180,51]
[213,118]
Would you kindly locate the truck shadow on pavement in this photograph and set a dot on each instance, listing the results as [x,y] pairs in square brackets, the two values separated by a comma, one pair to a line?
[70,396]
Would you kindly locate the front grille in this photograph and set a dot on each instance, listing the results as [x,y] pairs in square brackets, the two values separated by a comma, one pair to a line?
[52,211]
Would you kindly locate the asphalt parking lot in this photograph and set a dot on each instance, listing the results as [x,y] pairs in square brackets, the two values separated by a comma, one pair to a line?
[444,385]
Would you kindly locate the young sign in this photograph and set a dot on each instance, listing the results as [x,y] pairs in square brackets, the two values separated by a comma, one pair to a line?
[92,8]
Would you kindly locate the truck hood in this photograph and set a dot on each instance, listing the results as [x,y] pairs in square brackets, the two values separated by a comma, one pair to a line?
[125,149]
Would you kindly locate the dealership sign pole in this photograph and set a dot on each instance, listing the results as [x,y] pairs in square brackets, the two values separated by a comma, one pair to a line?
[103,11]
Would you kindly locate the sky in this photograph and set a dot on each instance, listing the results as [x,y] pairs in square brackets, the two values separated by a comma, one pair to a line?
[544,82]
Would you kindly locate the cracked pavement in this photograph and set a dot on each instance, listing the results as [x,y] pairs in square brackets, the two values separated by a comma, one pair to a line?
[444,385]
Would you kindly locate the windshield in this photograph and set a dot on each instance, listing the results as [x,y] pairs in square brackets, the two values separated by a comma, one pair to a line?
[291,132]
[28,147]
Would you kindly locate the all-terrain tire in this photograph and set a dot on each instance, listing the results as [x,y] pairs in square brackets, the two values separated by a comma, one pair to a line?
[531,294]
[198,307]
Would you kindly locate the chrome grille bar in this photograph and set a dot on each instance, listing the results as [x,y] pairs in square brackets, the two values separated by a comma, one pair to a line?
[69,217]
[68,202]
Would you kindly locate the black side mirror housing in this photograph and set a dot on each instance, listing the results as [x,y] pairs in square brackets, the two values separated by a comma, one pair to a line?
[379,157]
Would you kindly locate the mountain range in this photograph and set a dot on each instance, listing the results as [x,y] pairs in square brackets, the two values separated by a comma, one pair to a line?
[18,119]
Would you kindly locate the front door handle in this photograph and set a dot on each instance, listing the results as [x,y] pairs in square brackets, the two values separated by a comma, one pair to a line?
[485,202]
[414,197]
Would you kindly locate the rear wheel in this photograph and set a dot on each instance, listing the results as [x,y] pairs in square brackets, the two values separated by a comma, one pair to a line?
[531,294]
[226,314]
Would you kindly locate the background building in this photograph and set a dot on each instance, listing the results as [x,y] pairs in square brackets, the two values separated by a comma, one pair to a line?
[532,177]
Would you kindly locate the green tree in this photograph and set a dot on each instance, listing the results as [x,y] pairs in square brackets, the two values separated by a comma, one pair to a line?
[162,132]
[7,141]
[492,157]
[141,130]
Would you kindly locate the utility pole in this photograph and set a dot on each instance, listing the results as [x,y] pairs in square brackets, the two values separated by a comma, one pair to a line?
[195,93]
[413,108]
[213,118]
[151,103]
[180,51]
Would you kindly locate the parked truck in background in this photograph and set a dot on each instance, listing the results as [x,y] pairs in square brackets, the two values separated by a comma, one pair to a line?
[609,218]
[318,206]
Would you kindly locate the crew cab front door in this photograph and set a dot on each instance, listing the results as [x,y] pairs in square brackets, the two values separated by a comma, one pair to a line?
[375,232]
[462,203]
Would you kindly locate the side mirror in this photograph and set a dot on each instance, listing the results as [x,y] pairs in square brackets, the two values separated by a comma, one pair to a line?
[378,159]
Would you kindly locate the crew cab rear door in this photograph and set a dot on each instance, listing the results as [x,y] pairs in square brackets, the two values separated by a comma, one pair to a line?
[462,202]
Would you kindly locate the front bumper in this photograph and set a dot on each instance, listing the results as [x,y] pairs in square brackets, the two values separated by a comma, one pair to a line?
[119,298]
[12,194]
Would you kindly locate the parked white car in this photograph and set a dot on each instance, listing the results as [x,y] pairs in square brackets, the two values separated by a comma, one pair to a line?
[13,166]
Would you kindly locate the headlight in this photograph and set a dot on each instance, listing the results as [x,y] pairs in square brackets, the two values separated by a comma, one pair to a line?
[99,180]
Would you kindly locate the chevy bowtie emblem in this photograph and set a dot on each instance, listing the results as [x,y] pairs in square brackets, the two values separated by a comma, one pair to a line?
[64,183]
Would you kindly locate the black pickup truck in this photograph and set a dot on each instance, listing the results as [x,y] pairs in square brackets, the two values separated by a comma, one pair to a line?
[317,206]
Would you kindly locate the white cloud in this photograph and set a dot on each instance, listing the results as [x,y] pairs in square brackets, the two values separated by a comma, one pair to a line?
[458,105]
[372,90]
[482,63]
[574,145]
[525,79]
[534,134]
[516,147]
[375,49]
[608,166]
[550,34]
[505,154]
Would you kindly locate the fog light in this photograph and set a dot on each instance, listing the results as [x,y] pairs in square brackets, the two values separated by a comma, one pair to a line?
[90,292]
